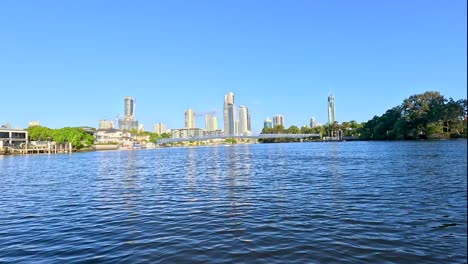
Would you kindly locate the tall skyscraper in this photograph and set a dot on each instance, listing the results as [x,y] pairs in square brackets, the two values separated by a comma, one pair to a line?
[267,123]
[211,124]
[159,128]
[128,122]
[189,118]
[312,122]
[129,108]
[230,122]
[244,121]
[278,120]
[331,109]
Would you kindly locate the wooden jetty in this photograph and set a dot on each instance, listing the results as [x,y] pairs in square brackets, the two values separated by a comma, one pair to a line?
[38,149]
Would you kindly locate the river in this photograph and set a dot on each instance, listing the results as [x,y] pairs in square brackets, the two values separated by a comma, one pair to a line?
[319,202]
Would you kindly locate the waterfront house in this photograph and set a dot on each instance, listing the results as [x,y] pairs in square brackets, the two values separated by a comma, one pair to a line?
[112,135]
[12,137]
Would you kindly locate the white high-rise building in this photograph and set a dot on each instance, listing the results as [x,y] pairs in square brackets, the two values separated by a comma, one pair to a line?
[278,120]
[331,109]
[312,122]
[230,122]
[159,128]
[211,124]
[105,124]
[244,121]
[189,118]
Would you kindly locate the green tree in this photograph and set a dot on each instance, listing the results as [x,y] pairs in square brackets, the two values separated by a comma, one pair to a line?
[427,115]
[36,133]
[165,135]
[306,130]
[267,130]
[231,141]
[77,136]
[293,130]
[420,109]
[154,137]
[279,129]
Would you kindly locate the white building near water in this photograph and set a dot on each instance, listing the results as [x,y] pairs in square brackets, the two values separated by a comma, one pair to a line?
[187,132]
[12,137]
[114,136]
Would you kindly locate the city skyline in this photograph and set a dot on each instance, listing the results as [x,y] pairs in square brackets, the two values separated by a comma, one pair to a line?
[240,119]
[169,57]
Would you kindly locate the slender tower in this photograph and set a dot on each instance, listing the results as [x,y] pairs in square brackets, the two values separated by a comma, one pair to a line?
[244,121]
[331,109]
[210,122]
[129,108]
[312,122]
[229,114]
[189,118]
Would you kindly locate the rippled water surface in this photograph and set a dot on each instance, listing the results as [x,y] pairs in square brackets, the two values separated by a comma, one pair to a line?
[346,202]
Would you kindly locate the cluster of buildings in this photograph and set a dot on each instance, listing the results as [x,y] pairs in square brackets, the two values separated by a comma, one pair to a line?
[236,123]
[278,120]
[107,133]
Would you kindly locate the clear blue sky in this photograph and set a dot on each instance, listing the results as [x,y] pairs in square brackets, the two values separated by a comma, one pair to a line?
[71,63]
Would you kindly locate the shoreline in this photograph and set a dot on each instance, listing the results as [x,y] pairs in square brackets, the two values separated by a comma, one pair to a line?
[113,148]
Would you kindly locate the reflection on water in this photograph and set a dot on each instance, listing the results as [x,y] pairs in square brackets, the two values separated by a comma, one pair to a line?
[346,202]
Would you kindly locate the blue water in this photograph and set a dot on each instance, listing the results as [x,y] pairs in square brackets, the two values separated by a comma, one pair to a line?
[330,202]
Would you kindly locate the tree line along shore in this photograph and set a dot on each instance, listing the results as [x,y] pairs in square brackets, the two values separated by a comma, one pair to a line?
[421,116]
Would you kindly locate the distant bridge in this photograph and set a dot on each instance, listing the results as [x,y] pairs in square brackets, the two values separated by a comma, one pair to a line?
[261,136]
